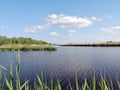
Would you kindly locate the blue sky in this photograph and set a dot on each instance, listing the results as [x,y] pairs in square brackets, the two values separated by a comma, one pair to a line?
[63,21]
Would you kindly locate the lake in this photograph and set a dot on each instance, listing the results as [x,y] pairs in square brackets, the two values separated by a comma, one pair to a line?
[65,62]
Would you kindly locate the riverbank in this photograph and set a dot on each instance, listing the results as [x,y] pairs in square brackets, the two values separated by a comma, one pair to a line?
[101,44]
[27,47]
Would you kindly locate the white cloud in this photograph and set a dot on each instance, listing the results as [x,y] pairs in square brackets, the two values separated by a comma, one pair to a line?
[108,30]
[47,26]
[29,30]
[72,33]
[53,34]
[112,30]
[69,21]
[33,29]
[38,27]
[96,19]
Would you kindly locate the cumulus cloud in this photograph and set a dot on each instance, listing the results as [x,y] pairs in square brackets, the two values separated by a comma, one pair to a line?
[71,33]
[53,34]
[71,21]
[33,29]
[112,30]
[96,19]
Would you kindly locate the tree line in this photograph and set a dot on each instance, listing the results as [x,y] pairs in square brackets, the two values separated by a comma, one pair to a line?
[20,40]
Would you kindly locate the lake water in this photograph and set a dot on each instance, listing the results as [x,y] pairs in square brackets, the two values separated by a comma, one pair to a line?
[65,62]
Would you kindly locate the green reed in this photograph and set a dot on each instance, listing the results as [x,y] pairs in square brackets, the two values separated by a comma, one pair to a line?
[27,48]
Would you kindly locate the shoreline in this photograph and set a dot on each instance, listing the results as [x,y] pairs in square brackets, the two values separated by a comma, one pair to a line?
[27,47]
[94,45]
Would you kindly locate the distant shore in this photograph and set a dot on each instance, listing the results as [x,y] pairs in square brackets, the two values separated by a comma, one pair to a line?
[102,44]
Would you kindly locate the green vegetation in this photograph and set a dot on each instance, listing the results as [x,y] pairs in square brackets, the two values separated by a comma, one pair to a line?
[20,40]
[27,47]
[14,83]
[24,44]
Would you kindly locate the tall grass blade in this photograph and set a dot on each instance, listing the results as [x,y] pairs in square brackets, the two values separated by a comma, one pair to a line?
[2,68]
[85,86]
[58,84]
[17,79]
[111,84]
[70,86]
[18,60]
[26,82]
[1,78]
[118,82]
[26,87]
[9,85]
[11,77]
[76,82]
[51,84]
[93,86]
[40,83]
[103,84]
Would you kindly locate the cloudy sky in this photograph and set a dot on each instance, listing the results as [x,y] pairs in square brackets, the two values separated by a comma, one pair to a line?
[63,21]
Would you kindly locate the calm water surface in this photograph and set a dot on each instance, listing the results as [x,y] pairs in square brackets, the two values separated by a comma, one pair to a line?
[65,62]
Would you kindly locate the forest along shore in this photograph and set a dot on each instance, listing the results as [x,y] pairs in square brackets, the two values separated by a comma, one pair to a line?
[24,44]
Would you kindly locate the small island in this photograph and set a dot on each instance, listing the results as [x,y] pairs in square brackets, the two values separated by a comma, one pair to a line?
[24,44]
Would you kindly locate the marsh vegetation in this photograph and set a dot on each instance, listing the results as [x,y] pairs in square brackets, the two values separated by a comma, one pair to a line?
[24,44]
